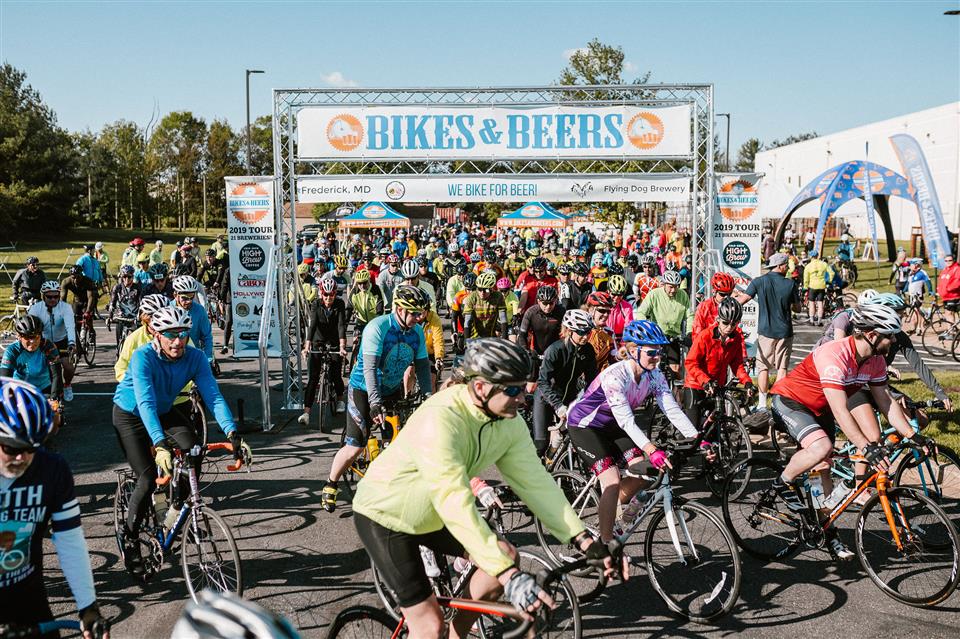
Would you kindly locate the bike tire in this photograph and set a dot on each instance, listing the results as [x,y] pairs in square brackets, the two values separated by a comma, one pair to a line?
[938,337]
[931,548]
[955,348]
[762,526]
[121,502]
[362,622]
[352,475]
[704,583]
[204,555]
[735,448]
[938,479]
[90,347]
[784,445]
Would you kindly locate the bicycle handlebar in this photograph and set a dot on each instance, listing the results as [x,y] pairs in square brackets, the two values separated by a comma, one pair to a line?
[163,480]
[23,631]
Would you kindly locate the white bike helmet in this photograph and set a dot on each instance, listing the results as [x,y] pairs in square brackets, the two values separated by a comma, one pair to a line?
[672,277]
[876,317]
[50,285]
[410,269]
[185,284]
[171,318]
[578,321]
[150,304]
[866,296]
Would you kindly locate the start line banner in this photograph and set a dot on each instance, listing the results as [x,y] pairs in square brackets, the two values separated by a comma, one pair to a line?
[251,227]
[662,187]
[444,132]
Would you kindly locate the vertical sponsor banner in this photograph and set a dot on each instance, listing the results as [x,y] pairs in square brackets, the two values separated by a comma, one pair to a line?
[251,227]
[736,235]
[868,200]
[924,194]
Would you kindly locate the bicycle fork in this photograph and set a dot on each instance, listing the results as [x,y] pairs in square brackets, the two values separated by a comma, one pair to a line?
[672,525]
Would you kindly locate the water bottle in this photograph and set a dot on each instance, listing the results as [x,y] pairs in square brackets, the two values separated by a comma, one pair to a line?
[160,504]
[429,562]
[373,447]
[815,484]
[462,565]
[839,493]
[171,517]
[632,509]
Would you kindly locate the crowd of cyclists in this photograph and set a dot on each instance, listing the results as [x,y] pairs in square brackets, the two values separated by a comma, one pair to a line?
[546,327]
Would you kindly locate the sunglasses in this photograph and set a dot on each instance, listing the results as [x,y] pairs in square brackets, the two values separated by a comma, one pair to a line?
[30,338]
[652,352]
[334,294]
[186,296]
[510,391]
[14,451]
[176,334]
[51,296]
[725,323]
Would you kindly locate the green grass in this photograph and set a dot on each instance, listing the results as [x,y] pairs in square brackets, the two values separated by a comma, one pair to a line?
[944,426]
[55,249]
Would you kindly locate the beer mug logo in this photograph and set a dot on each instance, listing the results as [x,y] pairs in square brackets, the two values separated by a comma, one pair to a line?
[645,130]
[345,132]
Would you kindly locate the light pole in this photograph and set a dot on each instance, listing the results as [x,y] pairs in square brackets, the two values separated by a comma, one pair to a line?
[726,156]
[249,71]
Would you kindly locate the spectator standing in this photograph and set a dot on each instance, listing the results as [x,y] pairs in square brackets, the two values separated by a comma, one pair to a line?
[948,286]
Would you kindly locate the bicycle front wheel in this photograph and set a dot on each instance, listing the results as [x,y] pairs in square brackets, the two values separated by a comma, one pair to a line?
[90,346]
[955,348]
[938,337]
[362,622]
[923,570]
[760,521]
[209,554]
[938,479]
[693,562]
[733,446]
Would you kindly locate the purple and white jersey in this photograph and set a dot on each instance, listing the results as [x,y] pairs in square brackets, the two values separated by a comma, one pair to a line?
[609,402]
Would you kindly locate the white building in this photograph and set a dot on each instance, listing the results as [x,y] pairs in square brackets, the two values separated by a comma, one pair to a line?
[789,168]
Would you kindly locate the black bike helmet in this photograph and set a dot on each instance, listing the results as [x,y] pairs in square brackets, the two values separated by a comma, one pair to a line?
[470,281]
[28,326]
[730,311]
[538,264]
[496,360]
[546,294]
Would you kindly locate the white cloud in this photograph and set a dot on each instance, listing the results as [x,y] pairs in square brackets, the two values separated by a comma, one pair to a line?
[337,79]
[629,67]
[568,53]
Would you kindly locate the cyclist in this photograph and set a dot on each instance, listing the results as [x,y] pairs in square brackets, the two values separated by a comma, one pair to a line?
[390,344]
[714,350]
[185,288]
[621,313]
[565,363]
[339,274]
[918,282]
[646,280]
[84,291]
[365,301]
[816,275]
[224,615]
[812,398]
[484,311]
[160,282]
[124,301]
[706,315]
[669,307]
[389,279]
[603,427]
[433,334]
[426,276]
[458,271]
[418,491]
[840,326]
[598,272]
[456,309]
[411,277]
[209,271]
[33,359]
[605,347]
[144,415]
[328,327]
[130,253]
[38,495]
[27,282]
[149,304]
[224,288]
[536,278]
[58,327]
[141,273]
[90,266]
[514,264]
[540,326]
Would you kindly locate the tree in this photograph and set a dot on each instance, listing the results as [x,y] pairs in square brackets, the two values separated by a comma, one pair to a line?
[39,186]
[792,139]
[176,157]
[222,159]
[126,144]
[261,146]
[747,154]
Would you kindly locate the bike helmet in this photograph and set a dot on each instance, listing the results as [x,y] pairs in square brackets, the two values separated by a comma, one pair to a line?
[369,256]
[384,250]
[648,260]
[393,258]
[730,311]
[580,269]
[226,616]
[578,321]
[210,253]
[547,294]
[644,333]
[888,299]
[615,269]
[496,360]
[538,263]
[616,285]
[361,276]
[672,277]
[327,285]
[533,251]
[411,298]
[600,298]
[866,296]
[475,257]
[422,261]
[185,284]
[339,261]
[722,282]
[25,415]
[461,268]
[410,270]
[50,285]
[76,270]
[28,326]
[489,256]
[170,318]
[159,271]
[486,280]
[504,284]
[126,269]
[875,317]
[453,247]
[563,269]
[137,241]
[470,281]
[303,269]
[33,260]
[150,304]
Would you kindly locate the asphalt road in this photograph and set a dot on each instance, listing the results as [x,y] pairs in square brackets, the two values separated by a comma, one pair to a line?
[307,564]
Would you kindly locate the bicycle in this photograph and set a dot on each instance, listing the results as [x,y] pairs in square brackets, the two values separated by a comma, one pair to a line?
[86,340]
[940,334]
[7,333]
[126,325]
[899,531]
[29,631]
[690,557]
[326,392]
[214,308]
[208,551]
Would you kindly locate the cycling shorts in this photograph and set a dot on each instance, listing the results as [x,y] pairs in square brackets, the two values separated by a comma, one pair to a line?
[816,294]
[601,449]
[397,557]
[26,603]
[62,346]
[358,417]
[864,397]
[801,424]
[671,353]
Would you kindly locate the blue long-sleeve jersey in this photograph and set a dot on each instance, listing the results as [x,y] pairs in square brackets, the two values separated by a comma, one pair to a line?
[152,383]
[201,332]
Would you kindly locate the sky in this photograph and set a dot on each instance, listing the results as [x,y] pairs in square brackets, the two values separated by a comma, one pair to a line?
[778,68]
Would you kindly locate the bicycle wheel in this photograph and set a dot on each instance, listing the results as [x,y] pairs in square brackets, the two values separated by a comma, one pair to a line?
[938,337]
[783,444]
[362,622]
[760,522]
[198,420]
[693,562]
[938,479]
[924,571]
[121,501]
[355,471]
[955,348]
[90,346]
[325,403]
[209,554]
[733,446]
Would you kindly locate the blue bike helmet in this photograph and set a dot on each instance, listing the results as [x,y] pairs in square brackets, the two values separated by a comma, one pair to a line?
[644,333]
[888,299]
[25,415]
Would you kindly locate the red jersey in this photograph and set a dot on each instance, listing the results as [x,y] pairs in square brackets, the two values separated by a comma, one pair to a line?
[709,357]
[645,284]
[530,287]
[705,316]
[833,365]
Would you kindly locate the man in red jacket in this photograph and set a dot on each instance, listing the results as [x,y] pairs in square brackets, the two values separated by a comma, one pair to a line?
[716,348]
[948,286]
